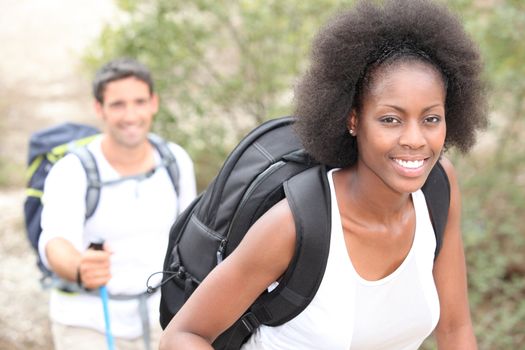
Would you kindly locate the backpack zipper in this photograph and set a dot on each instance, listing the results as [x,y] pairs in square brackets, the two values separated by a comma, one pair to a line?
[220,251]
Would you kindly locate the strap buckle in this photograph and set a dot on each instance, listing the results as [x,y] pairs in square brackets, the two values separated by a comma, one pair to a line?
[250,322]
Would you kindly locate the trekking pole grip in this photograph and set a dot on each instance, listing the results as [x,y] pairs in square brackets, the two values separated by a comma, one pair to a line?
[97,245]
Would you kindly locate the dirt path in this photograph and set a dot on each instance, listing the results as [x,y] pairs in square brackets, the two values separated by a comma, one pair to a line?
[23,304]
[41,83]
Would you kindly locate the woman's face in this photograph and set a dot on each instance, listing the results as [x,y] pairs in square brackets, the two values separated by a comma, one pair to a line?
[400,127]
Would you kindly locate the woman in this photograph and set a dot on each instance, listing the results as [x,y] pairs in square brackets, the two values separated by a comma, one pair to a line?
[390,87]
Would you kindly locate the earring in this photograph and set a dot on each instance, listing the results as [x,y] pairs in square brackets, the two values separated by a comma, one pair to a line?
[351,132]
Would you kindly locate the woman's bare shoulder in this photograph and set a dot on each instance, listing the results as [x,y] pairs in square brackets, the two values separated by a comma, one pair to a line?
[271,239]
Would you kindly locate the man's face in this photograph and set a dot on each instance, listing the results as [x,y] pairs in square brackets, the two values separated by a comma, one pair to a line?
[127,111]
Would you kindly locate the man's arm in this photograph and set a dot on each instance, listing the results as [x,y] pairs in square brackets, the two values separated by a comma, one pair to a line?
[61,245]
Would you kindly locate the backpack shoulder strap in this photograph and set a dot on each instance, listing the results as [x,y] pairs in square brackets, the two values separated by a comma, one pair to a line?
[168,159]
[308,195]
[93,178]
[437,195]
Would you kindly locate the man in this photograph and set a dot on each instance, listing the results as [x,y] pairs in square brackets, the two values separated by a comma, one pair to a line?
[137,206]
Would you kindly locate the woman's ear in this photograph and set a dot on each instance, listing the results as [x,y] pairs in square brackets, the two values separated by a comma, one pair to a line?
[352,122]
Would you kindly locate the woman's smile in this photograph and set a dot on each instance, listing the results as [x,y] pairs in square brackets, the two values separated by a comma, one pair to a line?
[410,167]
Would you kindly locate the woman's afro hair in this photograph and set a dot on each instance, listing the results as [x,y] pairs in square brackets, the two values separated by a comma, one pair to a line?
[351,45]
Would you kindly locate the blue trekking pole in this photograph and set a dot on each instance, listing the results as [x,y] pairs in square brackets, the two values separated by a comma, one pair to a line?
[105,299]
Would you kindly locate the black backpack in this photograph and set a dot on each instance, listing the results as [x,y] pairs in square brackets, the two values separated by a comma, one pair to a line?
[49,145]
[267,165]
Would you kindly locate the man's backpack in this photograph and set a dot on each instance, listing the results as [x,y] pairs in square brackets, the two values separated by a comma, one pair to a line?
[267,165]
[48,146]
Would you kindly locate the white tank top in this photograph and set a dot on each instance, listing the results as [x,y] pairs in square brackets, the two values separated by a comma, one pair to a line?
[348,312]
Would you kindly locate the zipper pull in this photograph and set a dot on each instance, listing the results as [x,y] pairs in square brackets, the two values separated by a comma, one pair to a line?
[220,251]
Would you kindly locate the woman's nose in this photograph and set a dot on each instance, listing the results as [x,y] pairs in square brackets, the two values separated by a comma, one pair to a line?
[412,136]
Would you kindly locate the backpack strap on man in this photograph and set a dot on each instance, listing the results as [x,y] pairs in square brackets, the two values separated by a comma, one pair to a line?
[168,159]
[437,195]
[93,178]
[94,183]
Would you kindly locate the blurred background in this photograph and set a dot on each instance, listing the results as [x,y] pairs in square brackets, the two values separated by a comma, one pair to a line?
[222,67]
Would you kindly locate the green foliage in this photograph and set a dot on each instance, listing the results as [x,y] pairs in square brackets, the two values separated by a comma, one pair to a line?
[494,203]
[222,67]
[492,179]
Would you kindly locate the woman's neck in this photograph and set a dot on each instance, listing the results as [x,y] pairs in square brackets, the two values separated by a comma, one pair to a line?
[369,198]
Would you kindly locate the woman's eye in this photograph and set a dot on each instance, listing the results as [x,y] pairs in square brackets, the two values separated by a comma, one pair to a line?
[433,119]
[389,120]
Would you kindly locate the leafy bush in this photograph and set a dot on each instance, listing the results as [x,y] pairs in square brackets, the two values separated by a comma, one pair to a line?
[220,67]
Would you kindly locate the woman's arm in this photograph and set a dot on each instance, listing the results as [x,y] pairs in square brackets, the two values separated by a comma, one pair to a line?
[260,259]
[454,330]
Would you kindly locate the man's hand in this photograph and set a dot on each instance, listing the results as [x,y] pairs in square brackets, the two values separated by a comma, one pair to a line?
[67,262]
[94,268]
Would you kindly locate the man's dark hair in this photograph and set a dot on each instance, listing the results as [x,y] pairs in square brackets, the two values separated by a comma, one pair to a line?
[117,69]
[353,45]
